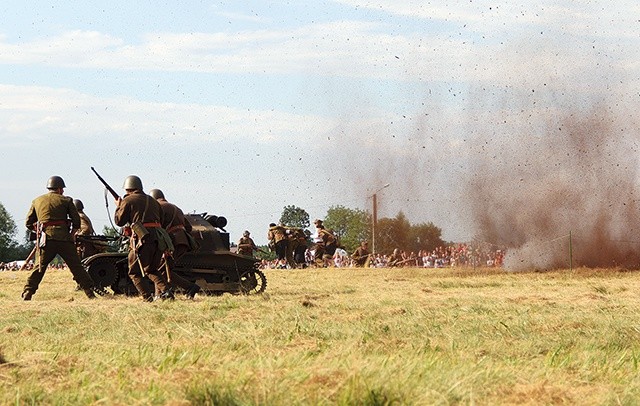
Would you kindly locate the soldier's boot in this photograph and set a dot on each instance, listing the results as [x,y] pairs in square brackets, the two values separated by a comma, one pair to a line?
[26,295]
[191,293]
[167,295]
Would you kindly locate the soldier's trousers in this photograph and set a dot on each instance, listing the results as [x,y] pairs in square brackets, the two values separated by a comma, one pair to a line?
[149,257]
[176,280]
[67,251]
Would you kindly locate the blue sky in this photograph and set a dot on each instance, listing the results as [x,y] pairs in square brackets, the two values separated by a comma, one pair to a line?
[241,108]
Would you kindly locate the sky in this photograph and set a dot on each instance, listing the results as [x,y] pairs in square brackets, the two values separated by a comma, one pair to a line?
[242,108]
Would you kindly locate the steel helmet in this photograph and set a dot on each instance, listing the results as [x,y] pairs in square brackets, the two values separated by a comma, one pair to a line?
[156,194]
[55,182]
[132,182]
[78,204]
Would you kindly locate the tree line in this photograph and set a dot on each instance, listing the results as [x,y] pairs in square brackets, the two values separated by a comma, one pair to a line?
[352,226]
[10,249]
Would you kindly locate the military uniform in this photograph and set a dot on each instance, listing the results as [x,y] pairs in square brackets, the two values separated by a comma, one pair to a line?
[246,246]
[329,242]
[300,249]
[50,216]
[86,248]
[361,254]
[145,254]
[178,227]
[395,259]
[277,235]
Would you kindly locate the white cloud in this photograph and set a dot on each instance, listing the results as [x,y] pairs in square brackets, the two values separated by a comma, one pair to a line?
[31,113]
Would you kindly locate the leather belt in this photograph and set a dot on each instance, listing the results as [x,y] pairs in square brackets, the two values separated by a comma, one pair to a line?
[154,224]
[54,223]
[175,228]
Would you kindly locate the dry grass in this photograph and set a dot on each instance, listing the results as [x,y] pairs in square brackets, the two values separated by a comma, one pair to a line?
[337,336]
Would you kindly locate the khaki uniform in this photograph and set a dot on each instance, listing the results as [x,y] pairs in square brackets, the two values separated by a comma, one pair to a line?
[86,248]
[329,242]
[177,226]
[361,255]
[300,249]
[54,213]
[394,259]
[278,236]
[246,246]
[138,207]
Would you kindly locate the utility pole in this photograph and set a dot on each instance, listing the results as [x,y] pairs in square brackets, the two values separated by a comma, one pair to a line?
[374,225]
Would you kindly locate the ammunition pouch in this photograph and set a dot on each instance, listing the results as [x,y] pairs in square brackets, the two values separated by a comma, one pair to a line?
[139,230]
[164,240]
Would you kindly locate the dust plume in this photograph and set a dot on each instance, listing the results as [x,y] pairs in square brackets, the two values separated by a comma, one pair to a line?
[575,178]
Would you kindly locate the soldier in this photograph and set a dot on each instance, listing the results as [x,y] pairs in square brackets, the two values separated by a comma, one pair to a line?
[178,228]
[327,244]
[246,246]
[395,259]
[361,254]
[278,240]
[50,216]
[296,247]
[85,248]
[147,244]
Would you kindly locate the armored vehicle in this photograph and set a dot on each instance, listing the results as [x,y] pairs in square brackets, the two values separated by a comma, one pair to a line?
[212,265]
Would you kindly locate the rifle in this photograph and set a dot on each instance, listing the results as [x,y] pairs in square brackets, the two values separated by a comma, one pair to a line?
[403,261]
[106,185]
[29,258]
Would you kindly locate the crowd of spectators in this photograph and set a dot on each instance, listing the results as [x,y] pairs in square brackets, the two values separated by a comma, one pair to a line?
[454,255]
[18,266]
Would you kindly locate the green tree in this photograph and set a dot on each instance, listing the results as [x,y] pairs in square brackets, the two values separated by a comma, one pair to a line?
[293,216]
[393,233]
[351,226]
[7,232]
[425,236]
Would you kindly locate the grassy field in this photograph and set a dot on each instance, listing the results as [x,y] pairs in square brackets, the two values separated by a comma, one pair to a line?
[332,336]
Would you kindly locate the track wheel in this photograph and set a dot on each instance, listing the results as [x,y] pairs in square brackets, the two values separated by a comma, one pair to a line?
[253,282]
[103,272]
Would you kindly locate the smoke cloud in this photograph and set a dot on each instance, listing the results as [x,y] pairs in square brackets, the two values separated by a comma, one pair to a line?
[567,193]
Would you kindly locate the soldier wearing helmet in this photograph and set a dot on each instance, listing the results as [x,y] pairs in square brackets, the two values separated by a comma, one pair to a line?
[246,246]
[144,214]
[55,220]
[179,230]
